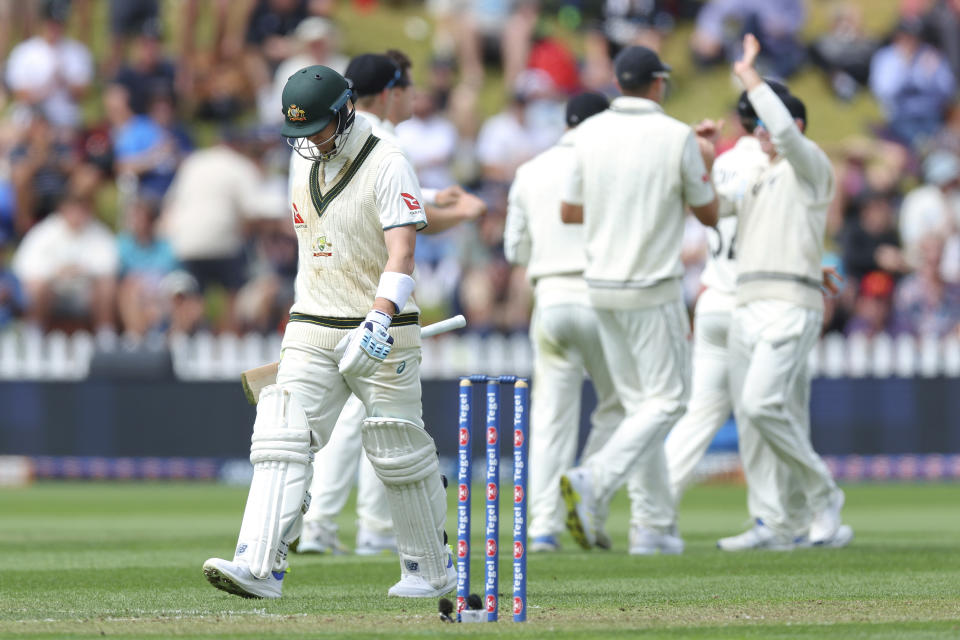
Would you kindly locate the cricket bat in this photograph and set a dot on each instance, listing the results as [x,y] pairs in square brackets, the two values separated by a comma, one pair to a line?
[253,380]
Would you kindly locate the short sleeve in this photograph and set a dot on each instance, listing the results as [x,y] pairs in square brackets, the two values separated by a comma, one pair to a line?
[697,190]
[573,184]
[398,196]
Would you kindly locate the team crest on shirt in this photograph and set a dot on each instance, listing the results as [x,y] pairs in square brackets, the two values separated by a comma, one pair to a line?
[298,222]
[321,247]
[296,114]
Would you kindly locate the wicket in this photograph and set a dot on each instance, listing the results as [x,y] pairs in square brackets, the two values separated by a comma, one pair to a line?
[464,475]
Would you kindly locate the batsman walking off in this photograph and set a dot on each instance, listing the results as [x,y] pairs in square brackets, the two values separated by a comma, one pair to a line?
[635,172]
[353,328]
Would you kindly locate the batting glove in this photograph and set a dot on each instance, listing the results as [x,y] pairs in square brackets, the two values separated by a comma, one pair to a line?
[365,348]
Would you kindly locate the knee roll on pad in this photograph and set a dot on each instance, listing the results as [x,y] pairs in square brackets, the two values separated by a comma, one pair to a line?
[281,450]
[405,459]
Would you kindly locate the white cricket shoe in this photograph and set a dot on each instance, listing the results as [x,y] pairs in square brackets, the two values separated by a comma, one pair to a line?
[544,544]
[319,538]
[646,542]
[236,578]
[840,539]
[414,586]
[826,522]
[577,492]
[759,537]
[371,543]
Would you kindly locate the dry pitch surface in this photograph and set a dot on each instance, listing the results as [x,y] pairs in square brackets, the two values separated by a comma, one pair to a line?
[123,560]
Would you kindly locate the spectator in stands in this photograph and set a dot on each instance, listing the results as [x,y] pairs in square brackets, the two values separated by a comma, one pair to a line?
[162,111]
[264,302]
[129,19]
[49,70]
[942,24]
[948,137]
[143,151]
[531,122]
[871,241]
[270,39]
[845,51]
[217,190]
[924,303]
[67,264]
[144,261]
[934,207]
[149,73]
[317,42]
[12,301]
[871,313]
[185,307]
[430,141]
[775,23]
[913,83]
[40,171]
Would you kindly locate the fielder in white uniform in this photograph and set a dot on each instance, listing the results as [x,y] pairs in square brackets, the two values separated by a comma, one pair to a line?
[381,85]
[710,405]
[778,313]
[635,172]
[356,208]
[563,328]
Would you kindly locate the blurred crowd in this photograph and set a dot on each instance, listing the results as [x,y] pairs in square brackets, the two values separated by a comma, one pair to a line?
[143,190]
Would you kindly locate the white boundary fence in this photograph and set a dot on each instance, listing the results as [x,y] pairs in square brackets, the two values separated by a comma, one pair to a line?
[31,355]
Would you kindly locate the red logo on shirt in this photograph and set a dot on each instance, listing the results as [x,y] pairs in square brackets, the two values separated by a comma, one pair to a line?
[412,203]
[705,178]
[297,218]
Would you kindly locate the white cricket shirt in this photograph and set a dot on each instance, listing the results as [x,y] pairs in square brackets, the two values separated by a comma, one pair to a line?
[536,237]
[733,174]
[340,211]
[635,169]
[784,214]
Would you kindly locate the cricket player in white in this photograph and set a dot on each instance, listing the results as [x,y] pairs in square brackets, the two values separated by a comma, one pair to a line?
[779,308]
[356,208]
[710,405]
[382,90]
[563,329]
[635,172]
[734,173]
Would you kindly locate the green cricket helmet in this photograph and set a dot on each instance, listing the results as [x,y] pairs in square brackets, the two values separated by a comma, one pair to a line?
[312,98]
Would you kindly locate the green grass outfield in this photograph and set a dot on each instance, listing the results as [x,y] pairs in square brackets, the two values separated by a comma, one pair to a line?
[123,560]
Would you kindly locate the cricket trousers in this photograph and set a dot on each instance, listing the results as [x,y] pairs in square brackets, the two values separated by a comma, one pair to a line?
[770,342]
[709,408]
[393,391]
[566,345]
[334,470]
[648,355]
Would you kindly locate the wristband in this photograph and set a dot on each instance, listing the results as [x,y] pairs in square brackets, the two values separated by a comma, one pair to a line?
[395,287]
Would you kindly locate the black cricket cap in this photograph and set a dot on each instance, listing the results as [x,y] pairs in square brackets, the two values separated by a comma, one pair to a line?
[371,73]
[582,106]
[795,106]
[637,66]
[748,117]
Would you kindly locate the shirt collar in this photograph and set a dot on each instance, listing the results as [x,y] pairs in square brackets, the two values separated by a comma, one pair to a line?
[632,105]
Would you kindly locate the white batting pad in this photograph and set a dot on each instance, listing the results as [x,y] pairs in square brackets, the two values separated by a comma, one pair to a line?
[282,455]
[405,459]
